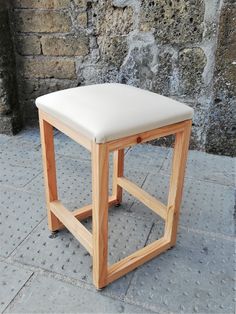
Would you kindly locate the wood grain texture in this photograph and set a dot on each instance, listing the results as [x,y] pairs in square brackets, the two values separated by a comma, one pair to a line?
[146,136]
[148,200]
[86,211]
[136,259]
[118,171]
[73,225]
[177,181]
[100,174]
[75,135]
[49,167]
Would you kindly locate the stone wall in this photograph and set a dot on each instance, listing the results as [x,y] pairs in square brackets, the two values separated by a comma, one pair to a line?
[9,113]
[166,46]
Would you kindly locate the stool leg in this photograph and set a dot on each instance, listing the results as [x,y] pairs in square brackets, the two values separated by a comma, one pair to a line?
[176,182]
[118,171]
[46,132]
[100,174]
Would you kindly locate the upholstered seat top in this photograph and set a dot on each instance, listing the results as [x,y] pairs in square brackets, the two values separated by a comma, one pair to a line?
[106,112]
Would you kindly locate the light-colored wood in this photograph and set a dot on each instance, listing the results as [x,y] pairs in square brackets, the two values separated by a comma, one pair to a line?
[97,243]
[118,171]
[100,173]
[49,167]
[73,225]
[146,136]
[176,182]
[86,211]
[136,259]
[75,135]
[148,200]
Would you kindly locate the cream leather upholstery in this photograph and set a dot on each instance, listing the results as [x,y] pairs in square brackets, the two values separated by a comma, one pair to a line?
[107,112]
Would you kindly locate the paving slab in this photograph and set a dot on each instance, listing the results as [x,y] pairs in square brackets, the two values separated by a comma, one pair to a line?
[67,147]
[4,138]
[207,167]
[206,206]
[61,297]
[15,175]
[20,212]
[11,281]
[74,180]
[197,276]
[146,157]
[63,254]
[18,153]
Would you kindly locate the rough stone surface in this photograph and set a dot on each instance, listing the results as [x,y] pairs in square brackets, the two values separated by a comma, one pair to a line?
[9,111]
[49,68]
[112,20]
[65,46]
[222,126]
[42,21]
[112,50]
[41,4]
[173,21]
[182,49]
[191,62]
[28,45]
[196,276]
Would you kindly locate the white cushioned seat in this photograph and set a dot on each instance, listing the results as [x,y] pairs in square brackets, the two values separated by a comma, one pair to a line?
[106,112]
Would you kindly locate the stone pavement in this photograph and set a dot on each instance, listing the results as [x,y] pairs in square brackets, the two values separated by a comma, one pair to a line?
[41,273]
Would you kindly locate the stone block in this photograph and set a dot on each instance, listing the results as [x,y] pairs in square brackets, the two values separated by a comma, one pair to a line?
[28,45]
[145,69]
[192,62]
[173,21]
[42,21]
[113,50]
[48,68]
[82,19]
[41,4]
[65,45]
[111,20]
[33,88]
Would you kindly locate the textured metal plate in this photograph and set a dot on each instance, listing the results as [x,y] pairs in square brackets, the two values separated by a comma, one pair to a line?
[197,276]
[20,212]
[205,206]
[12,279]
[65,298]
[207,167]
[63,253]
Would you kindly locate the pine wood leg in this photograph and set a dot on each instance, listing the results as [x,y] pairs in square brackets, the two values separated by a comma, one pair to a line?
[100,171]
[118,171]
[46,132]
[176,182]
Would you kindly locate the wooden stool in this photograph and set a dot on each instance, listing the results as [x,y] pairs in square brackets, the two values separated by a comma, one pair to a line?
[107,118]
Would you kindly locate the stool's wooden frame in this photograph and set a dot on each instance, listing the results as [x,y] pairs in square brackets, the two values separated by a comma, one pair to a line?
[96,242]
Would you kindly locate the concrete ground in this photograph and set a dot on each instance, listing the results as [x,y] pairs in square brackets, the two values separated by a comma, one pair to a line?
[41,273]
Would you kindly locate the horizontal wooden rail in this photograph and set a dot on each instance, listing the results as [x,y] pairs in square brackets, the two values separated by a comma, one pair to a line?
[86,211]
[75,135]
[148,200]
[146,136]
[136,259]
[73,225]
